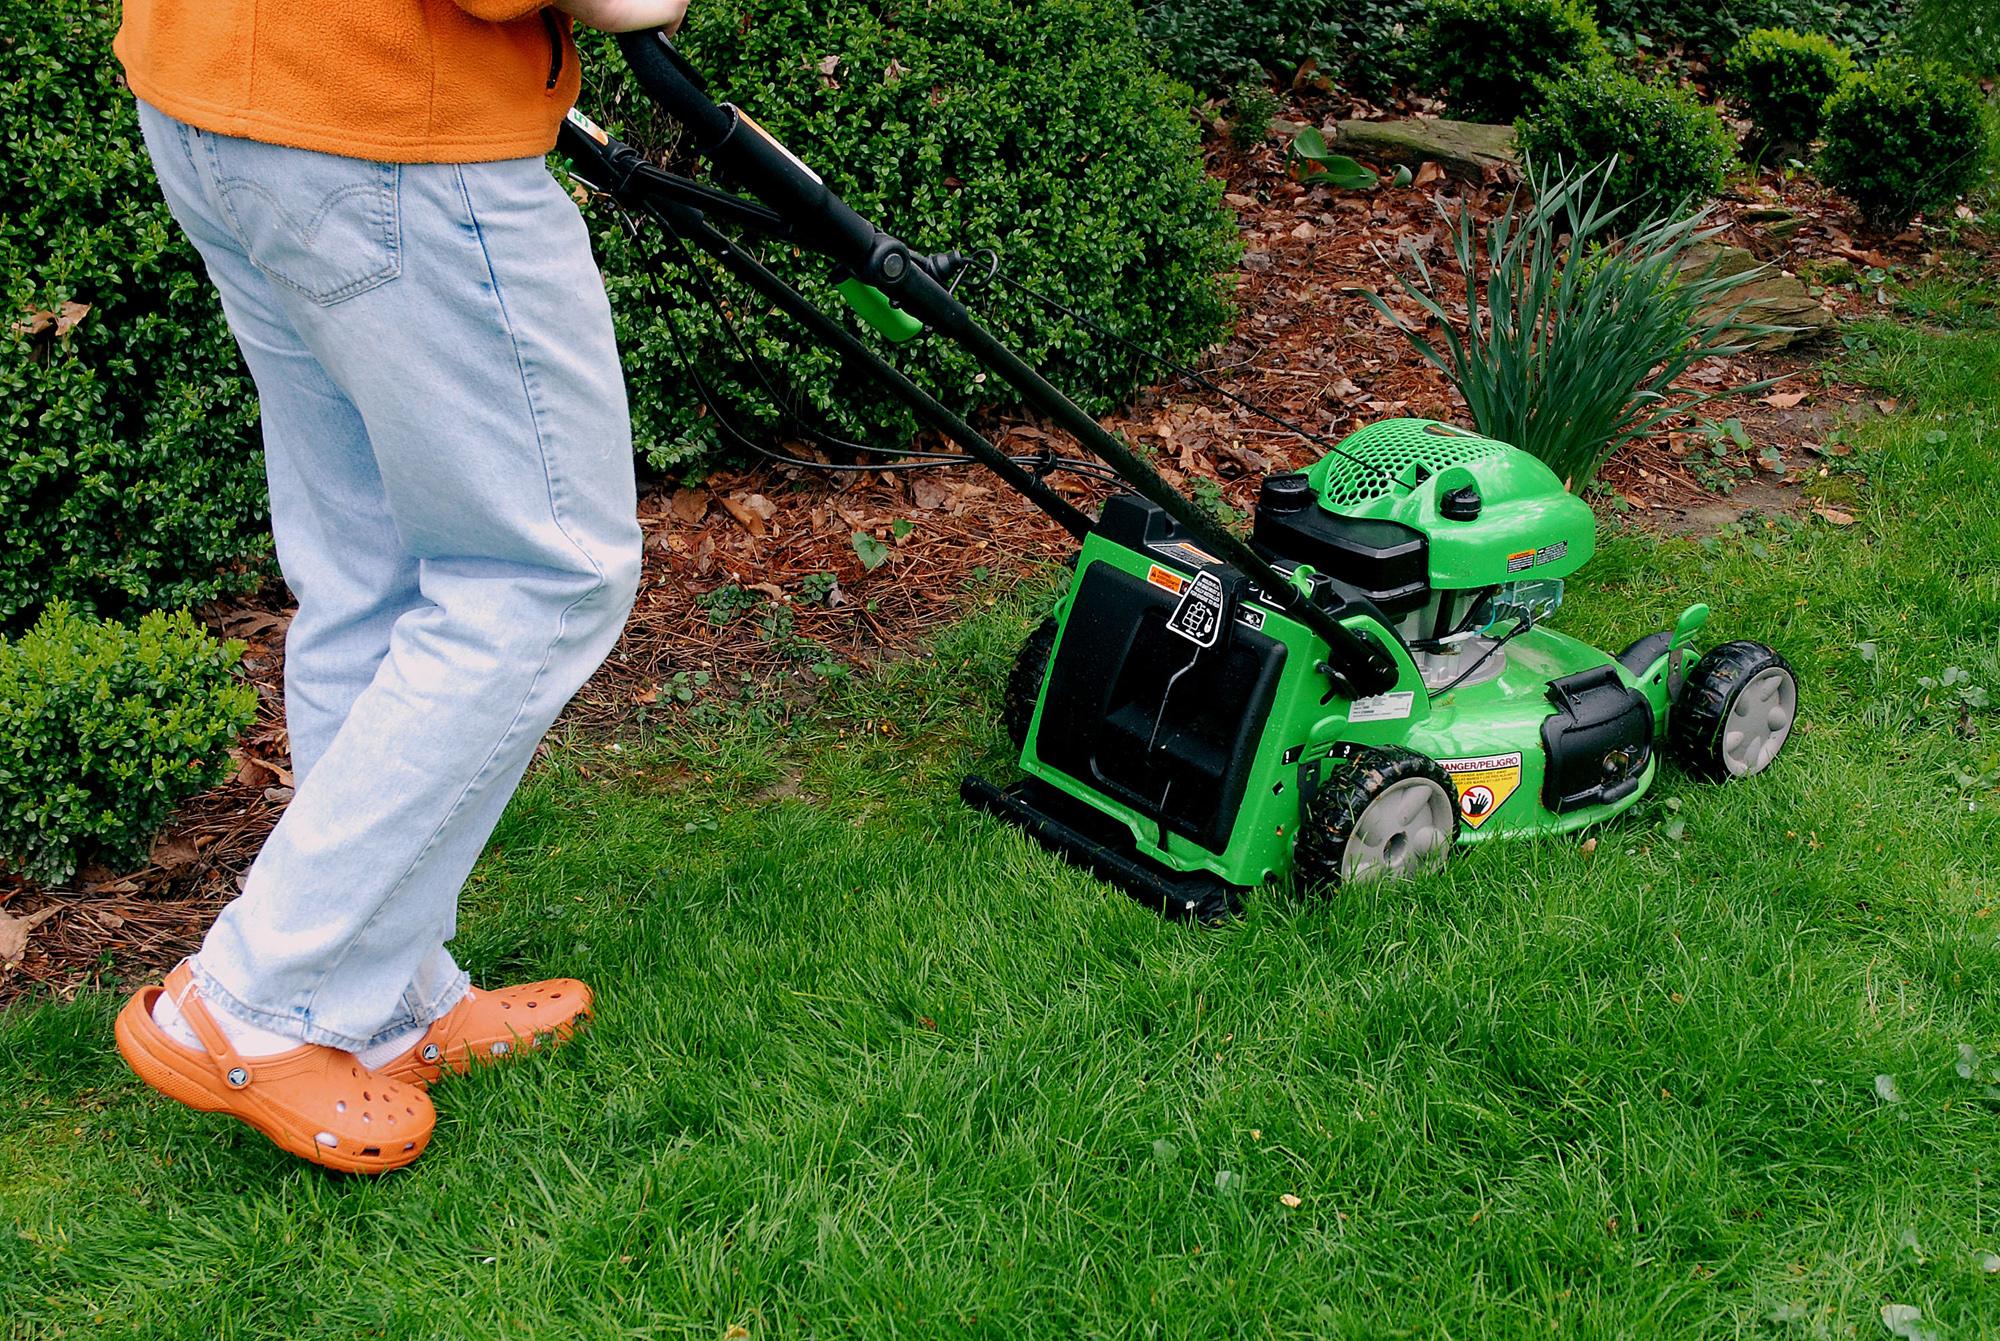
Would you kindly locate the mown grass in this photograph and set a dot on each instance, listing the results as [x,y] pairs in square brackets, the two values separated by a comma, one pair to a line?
[867,1065]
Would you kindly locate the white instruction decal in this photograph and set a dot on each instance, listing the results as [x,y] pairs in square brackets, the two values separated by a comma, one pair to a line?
[1382,707]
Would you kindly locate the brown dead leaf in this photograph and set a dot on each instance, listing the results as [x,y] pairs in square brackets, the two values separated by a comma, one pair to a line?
[174,854]
[1834,516]
[252,772]
[14,933]
[760,505]
[771,589]
[62,321]
[650,694]
[1428,174]
[1784,400]
[690,505]
[745,518]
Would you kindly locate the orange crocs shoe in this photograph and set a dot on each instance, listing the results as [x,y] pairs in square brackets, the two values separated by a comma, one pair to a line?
[314,1102]
[486,1025]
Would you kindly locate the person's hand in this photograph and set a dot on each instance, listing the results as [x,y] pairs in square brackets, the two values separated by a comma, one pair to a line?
[624,16]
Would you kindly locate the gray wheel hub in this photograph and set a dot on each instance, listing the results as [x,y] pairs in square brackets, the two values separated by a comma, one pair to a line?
[1405,829]
[1759,721]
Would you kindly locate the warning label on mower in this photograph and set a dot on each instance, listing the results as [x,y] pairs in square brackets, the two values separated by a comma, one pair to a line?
[1167,578]
[1198,618]
[1484,783]
[1525,559]
[1181,551]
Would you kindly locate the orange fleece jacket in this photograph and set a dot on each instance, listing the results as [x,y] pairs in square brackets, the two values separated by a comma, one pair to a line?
[408,81]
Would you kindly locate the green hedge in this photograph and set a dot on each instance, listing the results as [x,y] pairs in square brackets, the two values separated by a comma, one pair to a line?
[1906,138]
[104,730]
[1492,58]
[1671,148]
[1784,79]
[1037,128]
[129,476]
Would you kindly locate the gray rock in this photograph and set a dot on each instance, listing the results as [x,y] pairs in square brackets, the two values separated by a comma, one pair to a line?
[1773,299]
[1467,150]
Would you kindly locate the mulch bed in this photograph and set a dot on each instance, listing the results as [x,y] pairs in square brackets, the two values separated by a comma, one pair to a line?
[723,560]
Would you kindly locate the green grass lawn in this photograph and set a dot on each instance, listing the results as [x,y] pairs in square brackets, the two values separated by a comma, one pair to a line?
[867,1065]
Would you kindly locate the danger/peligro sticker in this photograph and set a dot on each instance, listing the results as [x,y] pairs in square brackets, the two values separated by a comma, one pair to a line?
[1484,783]
[1165,577]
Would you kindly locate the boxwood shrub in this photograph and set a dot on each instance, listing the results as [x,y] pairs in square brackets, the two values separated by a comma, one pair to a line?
[129,476]
[1037,128]
[104,729]
[1784,79]
[1492,58]
[1671,148]
[1906,138]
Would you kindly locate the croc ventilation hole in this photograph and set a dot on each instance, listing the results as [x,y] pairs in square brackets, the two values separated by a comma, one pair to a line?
[327,1139]
[1399,447]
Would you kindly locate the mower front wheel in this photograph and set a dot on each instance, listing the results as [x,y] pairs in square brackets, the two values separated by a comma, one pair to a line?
[1385,814]
[1024,682]
[1735,712]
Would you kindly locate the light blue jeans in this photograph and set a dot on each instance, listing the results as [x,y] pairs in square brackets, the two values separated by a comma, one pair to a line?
[450,466]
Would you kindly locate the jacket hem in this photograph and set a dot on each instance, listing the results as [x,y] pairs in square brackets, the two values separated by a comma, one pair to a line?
[343,141]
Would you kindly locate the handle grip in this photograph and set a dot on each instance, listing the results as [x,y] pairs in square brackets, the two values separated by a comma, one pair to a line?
[675,85]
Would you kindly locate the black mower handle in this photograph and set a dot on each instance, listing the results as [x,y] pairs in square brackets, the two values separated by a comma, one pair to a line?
[676,86]
[727,136]
[823,222]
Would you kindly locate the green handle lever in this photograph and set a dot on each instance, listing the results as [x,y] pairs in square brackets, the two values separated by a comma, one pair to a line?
[873,306]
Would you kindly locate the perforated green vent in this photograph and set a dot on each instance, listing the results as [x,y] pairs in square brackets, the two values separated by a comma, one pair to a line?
[1396,448]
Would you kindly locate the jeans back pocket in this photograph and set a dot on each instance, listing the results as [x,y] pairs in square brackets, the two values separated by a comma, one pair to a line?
[324,226]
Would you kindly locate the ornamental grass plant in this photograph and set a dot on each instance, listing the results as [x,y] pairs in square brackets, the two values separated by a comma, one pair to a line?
[1580,318]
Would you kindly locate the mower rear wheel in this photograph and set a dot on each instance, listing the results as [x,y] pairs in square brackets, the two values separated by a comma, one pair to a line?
[1734,713]
[1386,814]
[1024,682]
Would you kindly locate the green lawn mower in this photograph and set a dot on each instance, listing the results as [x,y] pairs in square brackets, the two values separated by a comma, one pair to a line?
[1362,684]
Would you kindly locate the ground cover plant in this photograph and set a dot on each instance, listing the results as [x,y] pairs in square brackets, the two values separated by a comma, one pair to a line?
[1712,29]
[866,1065]
[129,476]
[1213,44]
[1042,131]
[1573,342]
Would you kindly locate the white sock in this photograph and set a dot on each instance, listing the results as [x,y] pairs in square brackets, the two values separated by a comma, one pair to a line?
[390,1049]
[248,1039]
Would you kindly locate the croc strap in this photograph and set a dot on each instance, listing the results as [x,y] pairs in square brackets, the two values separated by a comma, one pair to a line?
[182,988]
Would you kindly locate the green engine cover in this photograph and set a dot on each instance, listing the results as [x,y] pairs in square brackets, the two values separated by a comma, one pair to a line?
[1403,470]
